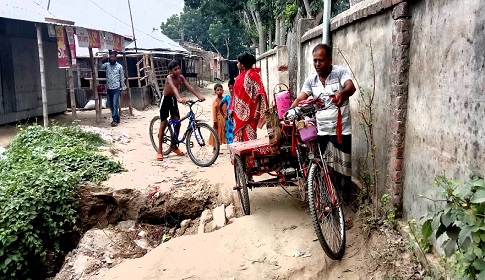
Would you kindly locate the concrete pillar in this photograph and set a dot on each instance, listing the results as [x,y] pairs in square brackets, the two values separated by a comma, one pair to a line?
[40,46]
[304,25]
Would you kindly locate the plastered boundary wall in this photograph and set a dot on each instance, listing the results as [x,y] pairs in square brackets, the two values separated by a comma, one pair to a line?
[368,23]
[274,70]
[429,58]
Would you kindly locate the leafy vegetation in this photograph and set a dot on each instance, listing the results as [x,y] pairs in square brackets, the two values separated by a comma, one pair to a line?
[420,235]
[237,25]
[214,28]
[462,221]
[39,174]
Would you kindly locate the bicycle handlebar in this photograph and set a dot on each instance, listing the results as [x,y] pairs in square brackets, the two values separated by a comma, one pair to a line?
[192,102]
[308,106]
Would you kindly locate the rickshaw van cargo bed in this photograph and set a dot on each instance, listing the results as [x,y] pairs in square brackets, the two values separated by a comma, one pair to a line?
[258,147]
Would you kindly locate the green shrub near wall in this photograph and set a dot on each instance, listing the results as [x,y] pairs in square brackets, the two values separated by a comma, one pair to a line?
[39,175]
[462,222]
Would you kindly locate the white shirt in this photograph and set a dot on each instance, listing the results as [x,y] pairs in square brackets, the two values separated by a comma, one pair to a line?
[327,119]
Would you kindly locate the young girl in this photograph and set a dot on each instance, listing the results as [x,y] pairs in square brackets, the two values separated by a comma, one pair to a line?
[218,118]
[226,101]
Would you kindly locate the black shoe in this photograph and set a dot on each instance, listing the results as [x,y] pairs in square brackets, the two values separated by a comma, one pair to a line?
[113,124]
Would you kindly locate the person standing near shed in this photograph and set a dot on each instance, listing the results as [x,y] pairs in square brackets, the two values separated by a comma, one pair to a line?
[115,81]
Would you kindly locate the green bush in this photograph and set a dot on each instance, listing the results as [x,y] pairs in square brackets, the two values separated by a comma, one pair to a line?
[39,175]
[463,222]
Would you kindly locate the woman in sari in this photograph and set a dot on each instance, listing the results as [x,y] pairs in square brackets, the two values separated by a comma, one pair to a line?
[250,100]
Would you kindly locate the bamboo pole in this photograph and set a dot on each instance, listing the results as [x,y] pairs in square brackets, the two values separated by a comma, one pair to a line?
[71,91]
[45,113]
[127,81]
[132,26]
[78,76]
[94,76]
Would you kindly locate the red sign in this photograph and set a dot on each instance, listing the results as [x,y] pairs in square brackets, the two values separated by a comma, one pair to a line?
[117,43]
[72,44]
[62,53]
[94,39]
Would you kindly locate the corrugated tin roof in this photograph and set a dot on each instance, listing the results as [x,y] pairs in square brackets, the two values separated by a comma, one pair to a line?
[26,10]
[156,40]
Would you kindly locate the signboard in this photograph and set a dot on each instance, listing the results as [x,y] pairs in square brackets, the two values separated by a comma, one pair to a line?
[94,39]
[108,40]
[51,30]
[72,44]
[118,43]
[82,37]
[62,54]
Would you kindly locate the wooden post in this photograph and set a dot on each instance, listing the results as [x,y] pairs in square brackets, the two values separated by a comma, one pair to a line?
[71,91]
[138,70]
[100,105]
[94,78]
[40,46]
[78,76]
[128,90]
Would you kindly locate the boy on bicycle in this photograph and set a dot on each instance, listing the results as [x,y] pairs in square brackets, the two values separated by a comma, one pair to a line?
[168,104]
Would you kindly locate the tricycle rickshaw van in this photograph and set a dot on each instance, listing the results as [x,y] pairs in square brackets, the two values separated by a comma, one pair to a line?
[293,158]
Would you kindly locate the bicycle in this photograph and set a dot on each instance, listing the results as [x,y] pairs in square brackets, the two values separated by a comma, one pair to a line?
[325,202]
[196,136]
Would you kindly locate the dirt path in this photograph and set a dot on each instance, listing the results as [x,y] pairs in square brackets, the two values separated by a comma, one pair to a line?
[259,246]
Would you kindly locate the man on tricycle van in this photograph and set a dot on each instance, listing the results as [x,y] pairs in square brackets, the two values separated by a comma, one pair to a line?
[334,86]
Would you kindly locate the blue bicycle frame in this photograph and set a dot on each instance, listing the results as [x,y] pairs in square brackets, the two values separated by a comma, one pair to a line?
[191,126]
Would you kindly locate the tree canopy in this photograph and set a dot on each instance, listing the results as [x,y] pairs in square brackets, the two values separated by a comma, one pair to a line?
[233,26]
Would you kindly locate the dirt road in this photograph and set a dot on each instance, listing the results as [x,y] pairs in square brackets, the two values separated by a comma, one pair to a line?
[260,246]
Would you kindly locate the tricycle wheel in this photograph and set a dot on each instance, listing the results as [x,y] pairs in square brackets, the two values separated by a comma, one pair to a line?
[242,184]
[326,211]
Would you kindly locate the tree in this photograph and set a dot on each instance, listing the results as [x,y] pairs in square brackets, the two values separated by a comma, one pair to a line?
[220,34]
[210,25]
[171,28]
[237,24]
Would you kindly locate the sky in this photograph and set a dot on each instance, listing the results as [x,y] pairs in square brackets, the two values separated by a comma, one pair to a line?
[114,15]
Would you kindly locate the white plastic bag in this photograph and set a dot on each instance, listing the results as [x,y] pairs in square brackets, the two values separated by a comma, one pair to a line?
[90,106]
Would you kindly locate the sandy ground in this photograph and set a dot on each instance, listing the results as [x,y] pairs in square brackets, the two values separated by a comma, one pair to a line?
[259,246]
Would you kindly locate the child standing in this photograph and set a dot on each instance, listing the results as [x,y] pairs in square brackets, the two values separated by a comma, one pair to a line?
[226,101]
[218,118]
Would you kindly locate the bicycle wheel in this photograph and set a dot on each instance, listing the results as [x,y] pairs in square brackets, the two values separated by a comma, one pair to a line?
[154,130]
[242,183]
[198,148]
[326,211]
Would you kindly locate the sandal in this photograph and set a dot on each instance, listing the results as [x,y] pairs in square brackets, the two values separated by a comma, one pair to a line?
[178,152]
[348,224]
[160,157]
